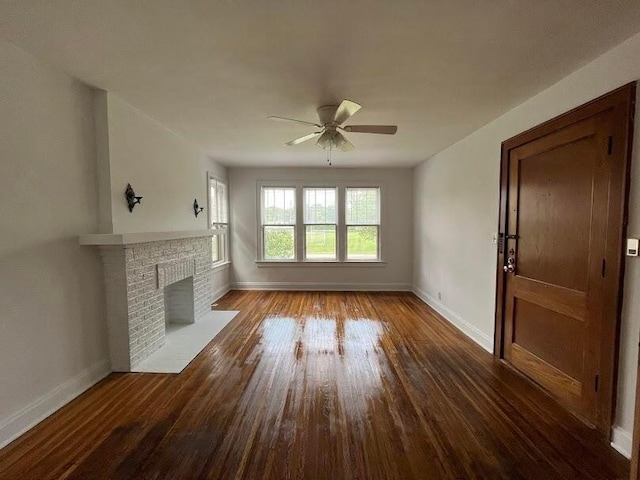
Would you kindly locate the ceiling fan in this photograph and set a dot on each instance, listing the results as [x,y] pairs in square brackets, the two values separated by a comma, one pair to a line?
[331,119]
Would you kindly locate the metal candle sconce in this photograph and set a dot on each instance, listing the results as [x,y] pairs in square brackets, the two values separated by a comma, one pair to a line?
[197,208]
[130,195]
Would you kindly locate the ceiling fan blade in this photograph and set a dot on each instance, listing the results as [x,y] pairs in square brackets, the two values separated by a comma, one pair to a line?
[382,129]
[303,139]
[343,144]
[345,110]
[285,119]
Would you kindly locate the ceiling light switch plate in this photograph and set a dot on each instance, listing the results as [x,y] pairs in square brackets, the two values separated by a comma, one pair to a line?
[632,247]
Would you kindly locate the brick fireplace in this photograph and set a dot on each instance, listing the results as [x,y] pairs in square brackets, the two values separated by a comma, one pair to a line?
[150,280]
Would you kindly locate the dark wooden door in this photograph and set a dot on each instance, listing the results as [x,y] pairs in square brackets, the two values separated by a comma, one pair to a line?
[564,197]
[557,217]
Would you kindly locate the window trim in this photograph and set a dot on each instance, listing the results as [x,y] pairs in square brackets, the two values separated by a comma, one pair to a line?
[220,230]
[341,231]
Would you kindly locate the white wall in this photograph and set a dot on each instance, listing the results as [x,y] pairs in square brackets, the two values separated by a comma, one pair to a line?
[161,166]
[396,235]
[456,212]
[53,341]
[67,153]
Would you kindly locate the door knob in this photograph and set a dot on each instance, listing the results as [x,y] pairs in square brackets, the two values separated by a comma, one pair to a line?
[510,267]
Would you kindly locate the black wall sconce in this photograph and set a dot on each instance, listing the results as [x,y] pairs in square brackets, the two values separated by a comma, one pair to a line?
[130,195]
[197,208]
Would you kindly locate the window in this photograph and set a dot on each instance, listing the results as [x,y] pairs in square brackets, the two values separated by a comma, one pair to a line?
[362,219]
[278,223]
[219,219]
[320,222]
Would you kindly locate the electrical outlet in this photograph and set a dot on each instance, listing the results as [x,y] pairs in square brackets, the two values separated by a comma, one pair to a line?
[494,238]
[439,296]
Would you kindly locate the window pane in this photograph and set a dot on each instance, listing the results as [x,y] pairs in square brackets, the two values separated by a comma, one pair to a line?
[362,206]
[362,243]
[320,242]
[215,249]
[279,243]
[278,206]
[213,201]
[223,209]
[218,202]
[320,205]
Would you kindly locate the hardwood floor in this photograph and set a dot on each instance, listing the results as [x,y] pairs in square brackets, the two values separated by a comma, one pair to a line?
[319,385]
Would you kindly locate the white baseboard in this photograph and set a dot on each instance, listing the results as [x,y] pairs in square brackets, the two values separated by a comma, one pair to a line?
[621,440]
[335,287]
[461,324]
[26,418]
[220,292]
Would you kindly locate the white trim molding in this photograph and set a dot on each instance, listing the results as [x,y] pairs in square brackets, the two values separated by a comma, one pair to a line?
[219,266]
[32,414]
[306,263]
[622,440]
[220,292]
[461,324]
[330,287]
[142,237]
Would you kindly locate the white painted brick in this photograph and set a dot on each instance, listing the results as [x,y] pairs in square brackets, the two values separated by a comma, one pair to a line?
[136,277]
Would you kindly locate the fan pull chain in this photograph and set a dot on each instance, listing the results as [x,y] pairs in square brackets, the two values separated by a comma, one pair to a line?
[329,154]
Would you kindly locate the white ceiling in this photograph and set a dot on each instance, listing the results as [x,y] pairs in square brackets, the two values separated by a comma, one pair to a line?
[213,70]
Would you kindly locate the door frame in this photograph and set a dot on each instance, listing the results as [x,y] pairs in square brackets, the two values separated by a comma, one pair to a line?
[622,102]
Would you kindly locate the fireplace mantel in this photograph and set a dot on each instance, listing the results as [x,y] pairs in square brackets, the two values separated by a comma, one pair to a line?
[142,237]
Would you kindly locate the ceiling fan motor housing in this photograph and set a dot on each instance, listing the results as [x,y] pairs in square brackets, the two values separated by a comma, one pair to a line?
[326,113]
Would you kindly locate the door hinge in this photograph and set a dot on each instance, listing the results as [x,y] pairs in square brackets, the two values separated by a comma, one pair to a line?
[604,267]
[596,382]
[610,145]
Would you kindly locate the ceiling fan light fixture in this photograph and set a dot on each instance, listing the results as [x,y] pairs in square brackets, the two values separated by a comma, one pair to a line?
[339,140]
[326,140]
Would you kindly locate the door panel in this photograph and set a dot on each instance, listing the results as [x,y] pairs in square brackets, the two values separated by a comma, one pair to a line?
[531,333]
[557,219]
[552,184]
[566,389]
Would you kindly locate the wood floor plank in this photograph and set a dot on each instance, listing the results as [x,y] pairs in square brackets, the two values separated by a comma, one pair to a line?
[319,385]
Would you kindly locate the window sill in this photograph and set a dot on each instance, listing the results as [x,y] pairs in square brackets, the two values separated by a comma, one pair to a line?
[216,267]
[293,263]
